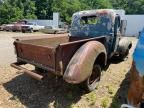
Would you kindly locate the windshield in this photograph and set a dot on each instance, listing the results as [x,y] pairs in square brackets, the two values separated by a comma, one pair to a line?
[92,25]
[30,24]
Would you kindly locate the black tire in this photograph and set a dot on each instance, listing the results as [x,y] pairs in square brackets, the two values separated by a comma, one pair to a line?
[23,31]
[55,32]
[124,55]
[92,82]
[31,30]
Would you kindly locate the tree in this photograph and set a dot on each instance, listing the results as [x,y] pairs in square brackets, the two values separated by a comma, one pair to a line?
[130,6]
[9,14]
[27,6]
[66,8]
[97,4]
[44,9]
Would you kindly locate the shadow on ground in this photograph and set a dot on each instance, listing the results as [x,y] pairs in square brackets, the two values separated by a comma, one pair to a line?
[121,94]
[114,60]
[34,94]
[52,91]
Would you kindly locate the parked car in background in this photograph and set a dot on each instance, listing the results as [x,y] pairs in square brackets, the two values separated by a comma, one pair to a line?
[31,27]
[2,27]
[18,25]
[8,27]
[52,30]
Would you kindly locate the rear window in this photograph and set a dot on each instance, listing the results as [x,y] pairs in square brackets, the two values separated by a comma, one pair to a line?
[97,22]
[90,20]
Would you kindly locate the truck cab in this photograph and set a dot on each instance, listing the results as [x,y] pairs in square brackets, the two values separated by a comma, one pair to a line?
[97,23]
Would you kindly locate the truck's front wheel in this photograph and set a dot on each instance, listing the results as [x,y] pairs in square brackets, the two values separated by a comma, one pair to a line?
[124,55]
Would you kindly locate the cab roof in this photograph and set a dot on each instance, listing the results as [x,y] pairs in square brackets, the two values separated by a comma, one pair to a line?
[107,12]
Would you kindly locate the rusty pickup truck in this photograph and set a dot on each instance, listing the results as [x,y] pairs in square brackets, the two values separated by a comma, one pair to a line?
[95,36]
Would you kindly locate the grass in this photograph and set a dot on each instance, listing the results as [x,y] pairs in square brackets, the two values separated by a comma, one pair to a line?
[110,89]
[57,105]
[73,106]
[105,102]
[115,103]
[91,98]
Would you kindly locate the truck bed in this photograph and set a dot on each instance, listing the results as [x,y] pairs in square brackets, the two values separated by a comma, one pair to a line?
[52,42]
[51,53]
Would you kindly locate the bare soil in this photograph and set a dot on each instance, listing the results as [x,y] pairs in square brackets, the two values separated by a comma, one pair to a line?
[20,91]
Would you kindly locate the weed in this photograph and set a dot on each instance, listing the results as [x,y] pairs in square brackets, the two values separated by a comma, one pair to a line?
[57,105]
[105,102]
[110,89]
[72,106]
[91,98]
[115,103]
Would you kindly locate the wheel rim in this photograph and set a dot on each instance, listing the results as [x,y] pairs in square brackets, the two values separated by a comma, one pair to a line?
[95,76]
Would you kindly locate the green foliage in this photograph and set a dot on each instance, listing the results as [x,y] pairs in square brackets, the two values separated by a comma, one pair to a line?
[13,10]
[66,8]
[9,14]
[131,6]
[104,103]
[110,89]
[91,98]
[97,4]
[115,103]
[44,9]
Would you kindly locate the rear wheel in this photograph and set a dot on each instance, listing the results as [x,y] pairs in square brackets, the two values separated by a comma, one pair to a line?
[92,82]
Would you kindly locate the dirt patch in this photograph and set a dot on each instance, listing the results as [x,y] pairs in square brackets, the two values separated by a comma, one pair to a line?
[19,91]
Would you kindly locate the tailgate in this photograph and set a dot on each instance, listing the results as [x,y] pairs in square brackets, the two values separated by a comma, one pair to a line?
[41,56]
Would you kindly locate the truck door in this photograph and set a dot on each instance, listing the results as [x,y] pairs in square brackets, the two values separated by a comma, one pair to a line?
[116,29]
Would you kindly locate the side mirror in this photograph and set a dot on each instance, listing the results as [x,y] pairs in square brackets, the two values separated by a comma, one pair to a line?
[123,27]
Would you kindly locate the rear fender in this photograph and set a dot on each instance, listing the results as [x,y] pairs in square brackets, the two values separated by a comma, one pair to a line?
[81,65]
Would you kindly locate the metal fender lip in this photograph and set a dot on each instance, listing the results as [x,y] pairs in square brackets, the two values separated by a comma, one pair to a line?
[81,64]
[71,75]
[124,44]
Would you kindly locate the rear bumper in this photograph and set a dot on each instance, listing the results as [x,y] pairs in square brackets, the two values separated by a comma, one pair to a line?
[26,71]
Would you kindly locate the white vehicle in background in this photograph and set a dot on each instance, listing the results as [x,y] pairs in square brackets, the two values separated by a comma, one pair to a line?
[31,27]
[53,30]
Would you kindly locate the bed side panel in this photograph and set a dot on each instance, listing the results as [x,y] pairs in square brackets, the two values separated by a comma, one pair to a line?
[37,54]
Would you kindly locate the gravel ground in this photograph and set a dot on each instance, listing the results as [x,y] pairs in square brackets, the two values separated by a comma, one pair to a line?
[20,91]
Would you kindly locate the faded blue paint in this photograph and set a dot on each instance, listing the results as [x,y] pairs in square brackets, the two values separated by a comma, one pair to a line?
[138,55]
[104,27]
[93,30]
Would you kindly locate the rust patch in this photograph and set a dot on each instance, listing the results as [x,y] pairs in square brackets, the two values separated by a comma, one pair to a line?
[81,64]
